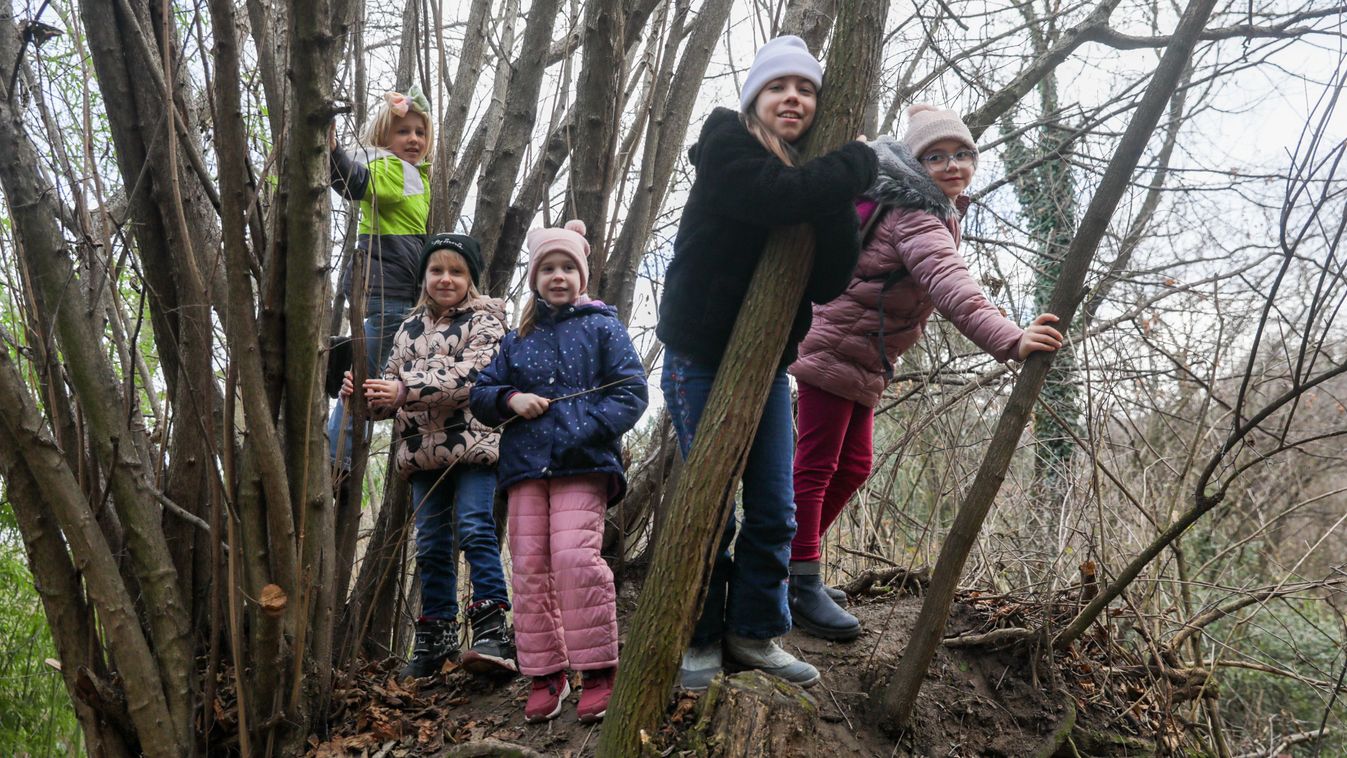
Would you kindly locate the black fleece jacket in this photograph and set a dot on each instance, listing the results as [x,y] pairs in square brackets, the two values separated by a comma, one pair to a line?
[740,193]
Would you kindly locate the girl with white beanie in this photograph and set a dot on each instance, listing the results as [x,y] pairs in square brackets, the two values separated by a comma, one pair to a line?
[750,181]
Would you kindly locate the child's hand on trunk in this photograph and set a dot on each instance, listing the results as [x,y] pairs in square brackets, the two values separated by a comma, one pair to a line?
[1038,336]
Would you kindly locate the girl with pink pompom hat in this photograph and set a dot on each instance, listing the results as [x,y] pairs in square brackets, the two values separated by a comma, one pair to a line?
[570,383]
[909,267]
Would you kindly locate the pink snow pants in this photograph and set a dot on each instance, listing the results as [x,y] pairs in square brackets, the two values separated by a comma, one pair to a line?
[565,606]
[832,460]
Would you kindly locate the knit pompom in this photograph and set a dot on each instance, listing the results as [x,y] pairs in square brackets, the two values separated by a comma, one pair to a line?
[916,108]
[577,226]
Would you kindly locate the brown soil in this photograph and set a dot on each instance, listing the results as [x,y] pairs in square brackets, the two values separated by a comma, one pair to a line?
[975,702]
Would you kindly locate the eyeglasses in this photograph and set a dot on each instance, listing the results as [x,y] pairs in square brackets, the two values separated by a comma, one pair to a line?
[940,161]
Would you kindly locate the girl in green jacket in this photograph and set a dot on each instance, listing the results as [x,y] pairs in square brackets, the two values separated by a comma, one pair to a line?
[390,176]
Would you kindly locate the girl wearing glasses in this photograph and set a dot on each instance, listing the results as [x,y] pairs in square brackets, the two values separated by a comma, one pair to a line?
[909,267]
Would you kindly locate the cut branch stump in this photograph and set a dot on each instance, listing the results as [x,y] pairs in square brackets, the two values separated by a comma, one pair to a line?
[754,715]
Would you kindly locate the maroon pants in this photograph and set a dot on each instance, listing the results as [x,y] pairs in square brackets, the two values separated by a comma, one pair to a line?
[832,461]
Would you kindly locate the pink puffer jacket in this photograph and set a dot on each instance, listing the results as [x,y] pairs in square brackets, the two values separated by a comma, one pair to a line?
[918,233]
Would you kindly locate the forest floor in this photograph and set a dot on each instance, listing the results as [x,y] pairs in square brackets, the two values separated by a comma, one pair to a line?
[976,701]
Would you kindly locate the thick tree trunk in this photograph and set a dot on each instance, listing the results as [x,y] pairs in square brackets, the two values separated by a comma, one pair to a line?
[676,582]
[315,42]
[901,694]
[810,20]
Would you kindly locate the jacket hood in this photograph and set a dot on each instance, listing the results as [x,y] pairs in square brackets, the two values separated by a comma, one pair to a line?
[720,119]
[904,183]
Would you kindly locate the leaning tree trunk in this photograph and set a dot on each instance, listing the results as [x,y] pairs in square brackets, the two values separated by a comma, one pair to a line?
[900,696]
[676,582]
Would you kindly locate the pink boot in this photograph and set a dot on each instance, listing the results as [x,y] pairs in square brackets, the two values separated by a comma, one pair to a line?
[596,689]
[546,697]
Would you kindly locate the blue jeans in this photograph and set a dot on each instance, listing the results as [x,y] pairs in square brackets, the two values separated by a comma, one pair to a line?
[747,591]
[438,496]
[383,316]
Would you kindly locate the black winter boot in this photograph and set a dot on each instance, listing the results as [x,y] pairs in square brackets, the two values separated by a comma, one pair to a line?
[492,650]
[812,610]
[436,642]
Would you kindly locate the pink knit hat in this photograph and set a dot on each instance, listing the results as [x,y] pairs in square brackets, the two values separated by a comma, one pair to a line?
[569,239]
[927,125]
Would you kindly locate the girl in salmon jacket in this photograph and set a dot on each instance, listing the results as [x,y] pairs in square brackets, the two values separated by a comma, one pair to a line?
[909,267]
[570,383]
[448,456]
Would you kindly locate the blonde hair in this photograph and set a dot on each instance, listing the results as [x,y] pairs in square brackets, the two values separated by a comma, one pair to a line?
[428,302]
[377,130]
[774,144]
[528,316]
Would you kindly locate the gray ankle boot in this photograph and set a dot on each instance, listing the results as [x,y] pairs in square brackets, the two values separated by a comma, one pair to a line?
[812,610]
[769,658]
[700,665]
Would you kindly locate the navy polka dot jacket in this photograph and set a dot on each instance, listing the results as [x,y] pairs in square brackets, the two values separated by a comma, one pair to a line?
[570,350]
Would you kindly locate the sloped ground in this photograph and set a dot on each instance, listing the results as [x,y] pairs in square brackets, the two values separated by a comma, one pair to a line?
[976,701]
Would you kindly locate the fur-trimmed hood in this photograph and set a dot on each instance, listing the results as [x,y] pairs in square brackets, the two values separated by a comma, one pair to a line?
[903,182]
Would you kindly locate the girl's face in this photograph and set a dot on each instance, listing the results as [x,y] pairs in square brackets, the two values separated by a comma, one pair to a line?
[951,163]
[558,279]
[407,137]
[447,279]
[786,106]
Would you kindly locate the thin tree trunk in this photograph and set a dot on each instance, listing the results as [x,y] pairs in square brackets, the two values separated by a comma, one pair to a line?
[901,694]
[663,144]
[501,173]
[676,581]
[598,110]
[269,538]
[458,98]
